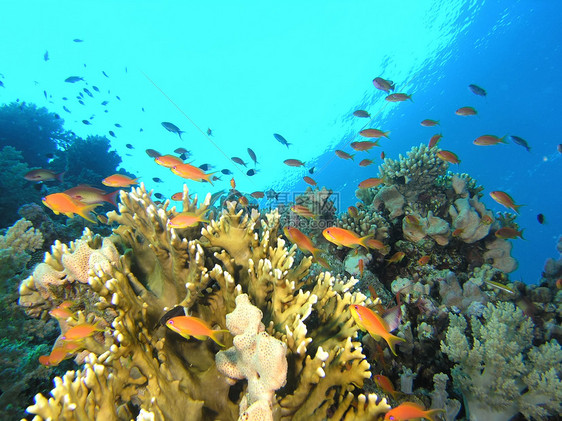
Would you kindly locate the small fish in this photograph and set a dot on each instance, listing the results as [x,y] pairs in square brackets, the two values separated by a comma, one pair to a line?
[499,286]
[361,114]
[458,232]
[65,109]
[172,128]
[424,260]
[409,411]
[448,156]
[361,267]
[509,233]
[396,257]
[187,326]
[435,139]
[95,88]
[81,102]
[105,74]
[90,195]
[505,199]
[177,196]
[119,180]
[77,40]
[371,182]
[365,162]
[243,201]
[44,175]
[383,155]
[540,218]
[46,56]
[168,161]
[371,322]
[186,220]
[209,132]
[373,133]
[104,103]
[257,195]
[73,79]
[86,122]
[103,219]
[293,163]
[344,155]
[346,238]
[399,97]
[311,170]
[62,312]
[251,172]
[309,180]
[412,220]
[520,142]
[153,153]
[117,96]
[156,180]
[385,384]
[383,84]
[364,145]
[272,194]
[45,94]
[117,125]
[81,331]
[303,211]
[159,196]
[466,111]
[112,133]
[226,171]
[239,161]
[486,220]
[304,243]
[129,146]
[206,167]
[429,123]
[281,140]
[353,211]
[253,156]
[489,139]
[181,151]
[88,92]
[477,90]
[191,173]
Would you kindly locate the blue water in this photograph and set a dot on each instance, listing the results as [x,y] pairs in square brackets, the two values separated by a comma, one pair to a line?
[248,71]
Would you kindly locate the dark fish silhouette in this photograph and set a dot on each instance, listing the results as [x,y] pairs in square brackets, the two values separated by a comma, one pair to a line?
[117,96]
[73,79]
[477,90]
[81,102]
[95,88]
[78,40]
[361,114]
[238,160]
[271,194]
[65,109]
[541,218]
[159,195]
[520,142]
[181,150]
[251,172]
[281,140]
[111,133]
[117,125]
[172,128]
[86,122]
[253,156]
[226,171]
[153,153]
[205,167]
[156,180]
[46,56]
[311,170]
[105,103]
[209,132]
[128,145]
[88,92]
[105,74]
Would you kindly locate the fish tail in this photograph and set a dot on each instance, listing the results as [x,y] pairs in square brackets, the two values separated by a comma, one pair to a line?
[287,144]
[516,207]
[502,139]
[319,259]
[391,340]
[84,212]
[430,414]
[385,134]
[60,176]
[364,241]
[521,234]
[410,98]
[110,197]
[213,336]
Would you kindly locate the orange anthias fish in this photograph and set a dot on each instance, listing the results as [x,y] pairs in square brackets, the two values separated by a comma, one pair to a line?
[58,354]
[185,220]
[119,180]
[91,195]
[353,211]
[466,111]
[232,183]
[44,175]
[371,322]
[190,172]
[373,133]
[293,162]
[489,139]
[424,260]
[429,123]
[509,233]
[304,243]
[168,161]
[346,238]
[505,199]
[188,326]
[399,97]
[409,411]
[344,155]
[364,145]
[435,139]
[448,156]
[309,180]
[412,220]
[361,266]
[365,162]
[303,211]
[62,311]
[385,384]
[177,196]
[396,257]
[371,182]
[63,203]
[81,331]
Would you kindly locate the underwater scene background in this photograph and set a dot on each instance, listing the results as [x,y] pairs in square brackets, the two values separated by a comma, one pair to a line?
[381,238]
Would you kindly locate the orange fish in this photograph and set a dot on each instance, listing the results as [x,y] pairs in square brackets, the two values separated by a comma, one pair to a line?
[188,326]
[309,180]
[489,139]
[91,195]
[371,322]
[303,211]
[344,155]
[185,220]
[62,311]
[424,260]
[429,123]
[412,220]
[177,196]
[361,266]
[448,156]
[509,233]
[304,243]
[382,155]
[385,384]
[345,238]
[293,163]
[399,97]
[119,180]
[435,139]
[466,111]
[371,182]
[364,145]
[190,172]
[63,203]
[396,257]
[243,201]
[458,232]
[44,175]
[365,162]
[258,195]
[232,183]
[56,356]
[505,199]
[377,245]
[486,220]
[81,331]
[373,133]
[353,211]
[409,411]
[168,161]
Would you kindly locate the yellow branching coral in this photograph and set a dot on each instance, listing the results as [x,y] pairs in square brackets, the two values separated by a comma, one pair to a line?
[149,270]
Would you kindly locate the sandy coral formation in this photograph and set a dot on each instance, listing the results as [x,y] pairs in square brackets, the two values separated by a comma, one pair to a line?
[16,246]
[499,253]
[138,366]
[466,214]
[501,373]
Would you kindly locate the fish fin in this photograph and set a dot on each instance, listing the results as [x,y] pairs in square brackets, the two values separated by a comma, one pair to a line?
[110,197]
[521,234]
[319,259]
[60,176]
[391,340]
[502,139]
[385,134]
[213,336]
[85,212]
[432,413]
[69,214]
[364,240]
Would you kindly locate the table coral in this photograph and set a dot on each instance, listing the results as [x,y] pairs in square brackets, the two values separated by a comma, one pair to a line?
[500,372]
